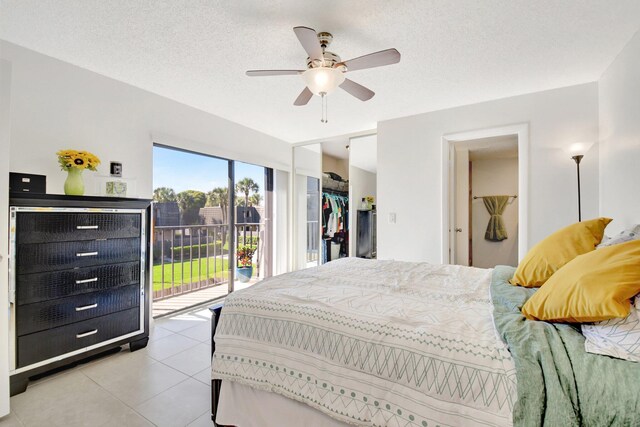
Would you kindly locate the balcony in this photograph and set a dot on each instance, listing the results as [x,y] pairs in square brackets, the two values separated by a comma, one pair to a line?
[191,263]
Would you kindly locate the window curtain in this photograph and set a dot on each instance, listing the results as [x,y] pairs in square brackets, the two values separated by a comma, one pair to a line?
[496,230]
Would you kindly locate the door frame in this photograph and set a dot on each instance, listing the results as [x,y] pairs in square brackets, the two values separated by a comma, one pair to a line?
[5,139]
[448,180]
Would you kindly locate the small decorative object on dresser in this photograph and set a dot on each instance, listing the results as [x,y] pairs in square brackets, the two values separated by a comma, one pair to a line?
[115,169]
[116,188]
[78,282]
[74,163]
[27,183]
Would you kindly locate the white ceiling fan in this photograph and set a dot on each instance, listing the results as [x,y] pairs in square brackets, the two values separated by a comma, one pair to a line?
[326,71]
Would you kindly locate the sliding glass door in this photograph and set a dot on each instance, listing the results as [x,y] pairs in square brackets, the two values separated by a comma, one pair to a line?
[253,189]
[210,228]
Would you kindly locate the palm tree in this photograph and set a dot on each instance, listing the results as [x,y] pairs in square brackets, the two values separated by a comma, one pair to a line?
[219,196]
[246,186]
[190,202]
[164,194]
[255,199]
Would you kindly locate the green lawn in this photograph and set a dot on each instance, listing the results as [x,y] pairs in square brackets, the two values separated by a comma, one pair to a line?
[194,271]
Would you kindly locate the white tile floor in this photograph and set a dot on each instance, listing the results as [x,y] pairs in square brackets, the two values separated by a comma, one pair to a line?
[165,384]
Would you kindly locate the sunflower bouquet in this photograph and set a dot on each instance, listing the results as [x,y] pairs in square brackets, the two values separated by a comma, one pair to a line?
[72,159]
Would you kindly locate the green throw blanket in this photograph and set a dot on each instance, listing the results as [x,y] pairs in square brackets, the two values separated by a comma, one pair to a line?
[559,384]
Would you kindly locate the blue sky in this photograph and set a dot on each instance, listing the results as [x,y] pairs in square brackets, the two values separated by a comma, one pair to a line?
[187,171]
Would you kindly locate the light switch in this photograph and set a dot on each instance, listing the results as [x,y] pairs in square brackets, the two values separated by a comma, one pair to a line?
[392,218]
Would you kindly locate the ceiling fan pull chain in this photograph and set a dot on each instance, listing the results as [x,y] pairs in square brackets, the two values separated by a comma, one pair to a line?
[323,95]
[326,119]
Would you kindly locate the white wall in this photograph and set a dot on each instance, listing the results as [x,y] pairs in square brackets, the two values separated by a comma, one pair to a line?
[619,96]
[410,166]
[57,105]
[361,184]
[5,127]
[308,160]
[491,177]
[363,154]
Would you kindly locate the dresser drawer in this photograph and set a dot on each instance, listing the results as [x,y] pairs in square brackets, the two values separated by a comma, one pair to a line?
[43,227]
[41,257]
[43,345]
[38,287]
[36,317]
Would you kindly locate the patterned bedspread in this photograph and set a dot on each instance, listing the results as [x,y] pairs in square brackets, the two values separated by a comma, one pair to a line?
[373,343]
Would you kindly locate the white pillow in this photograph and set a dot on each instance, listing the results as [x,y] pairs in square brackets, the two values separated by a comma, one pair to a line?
[632,233]
[615,337]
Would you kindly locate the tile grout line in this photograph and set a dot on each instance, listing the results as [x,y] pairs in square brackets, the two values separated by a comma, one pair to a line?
[173,386]
[20,422]
[118,399]
[207,412]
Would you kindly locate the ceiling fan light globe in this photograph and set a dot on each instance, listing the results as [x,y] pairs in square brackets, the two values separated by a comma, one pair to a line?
[323,79]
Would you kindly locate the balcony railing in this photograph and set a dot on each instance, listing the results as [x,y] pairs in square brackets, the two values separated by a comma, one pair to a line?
[193,257]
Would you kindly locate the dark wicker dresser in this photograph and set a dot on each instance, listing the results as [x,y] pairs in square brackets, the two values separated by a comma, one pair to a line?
[78,281]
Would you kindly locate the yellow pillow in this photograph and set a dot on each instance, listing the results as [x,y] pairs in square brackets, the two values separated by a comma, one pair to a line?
[593,287]
[550,254]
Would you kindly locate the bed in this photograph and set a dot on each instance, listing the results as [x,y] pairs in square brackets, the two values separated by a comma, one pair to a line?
[387,343]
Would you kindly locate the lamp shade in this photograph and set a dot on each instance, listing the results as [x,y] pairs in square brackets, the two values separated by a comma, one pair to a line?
[578,148]
[322,79]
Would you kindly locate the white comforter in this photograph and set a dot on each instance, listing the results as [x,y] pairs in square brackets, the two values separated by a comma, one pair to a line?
[373,343]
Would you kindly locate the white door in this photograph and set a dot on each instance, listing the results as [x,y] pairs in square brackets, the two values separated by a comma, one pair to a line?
[460,227]
[5,122]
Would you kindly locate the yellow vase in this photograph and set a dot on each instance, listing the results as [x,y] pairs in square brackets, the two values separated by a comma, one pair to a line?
[74,184]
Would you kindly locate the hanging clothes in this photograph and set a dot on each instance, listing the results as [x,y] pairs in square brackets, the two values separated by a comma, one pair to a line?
[335,214]
[496,230]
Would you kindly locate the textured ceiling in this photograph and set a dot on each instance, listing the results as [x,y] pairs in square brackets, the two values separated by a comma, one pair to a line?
[454,52]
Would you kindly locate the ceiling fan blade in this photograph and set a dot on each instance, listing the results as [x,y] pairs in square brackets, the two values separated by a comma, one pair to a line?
[377,59]
[304,97]
[309,41]
[260,73]
[357,90]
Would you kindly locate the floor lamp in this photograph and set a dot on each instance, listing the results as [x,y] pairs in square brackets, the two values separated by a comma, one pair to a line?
[577,152]
[578,158]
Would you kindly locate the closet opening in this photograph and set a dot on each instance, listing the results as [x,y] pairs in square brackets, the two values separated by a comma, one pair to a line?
[349,166]
[334,206]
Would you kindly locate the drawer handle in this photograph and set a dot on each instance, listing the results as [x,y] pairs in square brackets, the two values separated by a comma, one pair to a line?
[93,279]
[86,227]
[87,307]
[86,334]
[87,254]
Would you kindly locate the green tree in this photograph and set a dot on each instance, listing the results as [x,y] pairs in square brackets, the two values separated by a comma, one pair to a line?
[246,186]
[164,194]
[219,196]
[255,199]
[190,202]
